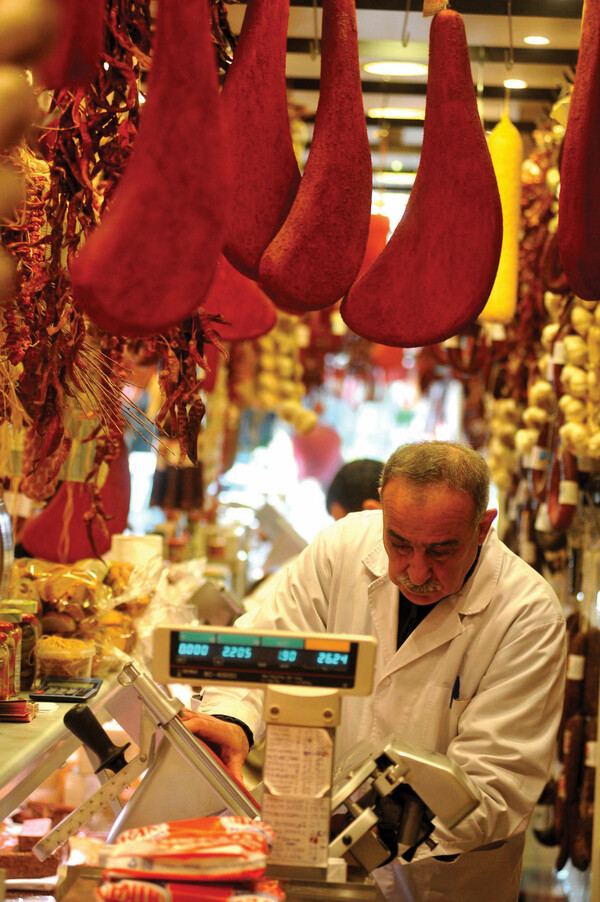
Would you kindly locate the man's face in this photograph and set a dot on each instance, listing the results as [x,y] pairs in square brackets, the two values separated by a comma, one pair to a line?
[430,538]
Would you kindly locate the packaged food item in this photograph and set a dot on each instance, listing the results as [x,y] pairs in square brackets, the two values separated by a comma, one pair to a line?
[15,636]
[57,656]
[146,891]
[15,616]
[5,673]
[27,651]
[211,849]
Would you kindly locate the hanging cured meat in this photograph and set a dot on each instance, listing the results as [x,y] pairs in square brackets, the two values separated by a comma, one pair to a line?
[78,46]
[437,270]
[152,258]
[246,310]
[579,198]
[315,256]
[59,532]
[264,168]
[506,150]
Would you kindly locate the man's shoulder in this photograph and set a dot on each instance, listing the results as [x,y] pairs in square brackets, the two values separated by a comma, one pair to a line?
[519,579]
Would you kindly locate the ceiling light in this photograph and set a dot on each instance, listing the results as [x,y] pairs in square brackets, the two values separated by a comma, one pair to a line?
[515,83]
[395,179]
[395,67]
[536,39]
[395,112]
[396,165]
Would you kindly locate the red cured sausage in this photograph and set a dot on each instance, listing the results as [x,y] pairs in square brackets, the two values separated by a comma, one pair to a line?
[315,256]
[264,167]
[579,199]
[43,536]
[76,52]
[246,309]
[437,270]
[150,261]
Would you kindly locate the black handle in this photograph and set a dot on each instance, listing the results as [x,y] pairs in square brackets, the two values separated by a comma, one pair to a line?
[84,724]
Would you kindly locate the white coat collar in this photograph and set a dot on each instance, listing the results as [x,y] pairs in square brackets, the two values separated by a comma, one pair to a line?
[446,620]
[476,594]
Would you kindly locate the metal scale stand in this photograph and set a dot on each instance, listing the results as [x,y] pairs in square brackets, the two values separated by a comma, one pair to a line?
[304,677]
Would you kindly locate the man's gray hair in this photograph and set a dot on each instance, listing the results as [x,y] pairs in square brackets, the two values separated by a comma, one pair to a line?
[453,463]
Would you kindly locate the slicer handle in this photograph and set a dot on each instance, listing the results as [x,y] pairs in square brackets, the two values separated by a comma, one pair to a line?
[84,724]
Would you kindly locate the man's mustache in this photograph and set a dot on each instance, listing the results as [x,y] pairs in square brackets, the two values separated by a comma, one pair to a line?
[428,588]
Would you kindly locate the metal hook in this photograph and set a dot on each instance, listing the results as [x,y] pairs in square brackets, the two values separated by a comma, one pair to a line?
[405,35]
[509,55]
[315,43]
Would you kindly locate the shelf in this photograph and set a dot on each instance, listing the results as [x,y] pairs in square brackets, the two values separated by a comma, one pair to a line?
[32,752]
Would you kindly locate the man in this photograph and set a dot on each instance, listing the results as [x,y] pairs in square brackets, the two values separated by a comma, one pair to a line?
[471,659]
[355,487]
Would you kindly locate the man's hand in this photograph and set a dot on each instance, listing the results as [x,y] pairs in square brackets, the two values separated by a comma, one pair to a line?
[226,739]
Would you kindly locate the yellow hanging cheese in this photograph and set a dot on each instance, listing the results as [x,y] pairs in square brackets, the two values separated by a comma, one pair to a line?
[506,149]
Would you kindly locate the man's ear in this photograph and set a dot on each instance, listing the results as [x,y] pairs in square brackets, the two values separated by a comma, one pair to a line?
[371,504]
[484,527]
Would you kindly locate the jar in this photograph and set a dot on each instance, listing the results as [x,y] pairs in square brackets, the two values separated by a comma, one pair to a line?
[27,651]
[36,623]
[5,692]
[10,644]
[12,627]
[56,656]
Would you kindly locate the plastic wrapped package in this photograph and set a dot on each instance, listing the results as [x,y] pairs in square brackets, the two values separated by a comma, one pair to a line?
[174,600]
[56,656]
[211,849]
[69,597]
[144,891]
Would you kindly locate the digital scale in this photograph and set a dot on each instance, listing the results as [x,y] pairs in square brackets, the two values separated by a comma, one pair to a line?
[202,656]
[386,793]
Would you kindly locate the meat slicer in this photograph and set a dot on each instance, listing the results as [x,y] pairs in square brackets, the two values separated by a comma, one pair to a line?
[382,800]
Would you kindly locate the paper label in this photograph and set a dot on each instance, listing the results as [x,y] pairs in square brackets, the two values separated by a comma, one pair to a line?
[575,667]
[590,754]
[558,353]
[542,520]
[298,761]
[297,793]
[539,458]
[568,492]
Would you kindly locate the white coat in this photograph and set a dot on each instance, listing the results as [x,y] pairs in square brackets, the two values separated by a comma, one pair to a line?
[502,634]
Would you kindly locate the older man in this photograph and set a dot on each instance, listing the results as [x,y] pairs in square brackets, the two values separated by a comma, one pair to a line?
[471,659]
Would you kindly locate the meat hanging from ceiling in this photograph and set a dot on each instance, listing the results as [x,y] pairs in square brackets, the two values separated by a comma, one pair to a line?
[151,259]
[436,272]
[315,256]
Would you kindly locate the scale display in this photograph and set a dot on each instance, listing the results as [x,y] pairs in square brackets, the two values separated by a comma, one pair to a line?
[198,655]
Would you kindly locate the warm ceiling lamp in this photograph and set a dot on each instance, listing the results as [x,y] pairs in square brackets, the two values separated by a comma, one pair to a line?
[514,83]
[395,68]
[536,39]
[395,112]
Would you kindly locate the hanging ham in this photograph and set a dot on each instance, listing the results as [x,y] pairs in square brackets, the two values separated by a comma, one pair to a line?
[579,198]
[246,310]
[77,49]
[436,272]
[149,263]
[315,256]
[257,126]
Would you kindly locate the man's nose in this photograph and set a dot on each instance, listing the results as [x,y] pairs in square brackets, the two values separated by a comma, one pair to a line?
[418,569]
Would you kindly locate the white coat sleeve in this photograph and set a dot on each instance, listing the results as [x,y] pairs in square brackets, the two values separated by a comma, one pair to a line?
[298,602]
[506,735]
